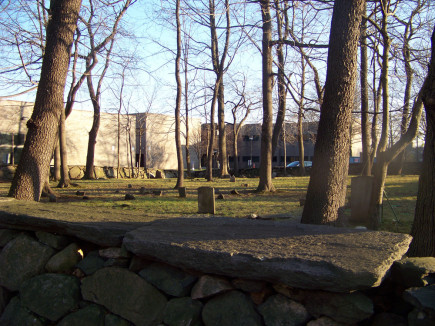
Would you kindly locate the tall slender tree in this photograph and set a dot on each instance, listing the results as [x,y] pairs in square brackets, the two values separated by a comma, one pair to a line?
[327,187]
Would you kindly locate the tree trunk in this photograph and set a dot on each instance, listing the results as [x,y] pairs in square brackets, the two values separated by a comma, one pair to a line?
[64,180]
[32,172]
[300,121]
[365,136]
[265,183]
[180,177]
[57,162]
[223,160]
[423,228]
[236,150]
[327,187]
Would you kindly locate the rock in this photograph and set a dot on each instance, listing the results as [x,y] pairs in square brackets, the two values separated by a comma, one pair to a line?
[158,193]
[183,312]
[421,318]
[65,260]
[138,263]
[117,262]
[252,216]
[348,308]
[339,259]
[16,315]
[388,319]
[234,192]
[99,173]
[279,310]
[143,191]
[208,286]
[273,175]
[92,315]
[51,295]
[230,309]
[86,198]
[55,241]
[160,174]
[324,321]
[114,320]
[413,271]
[125,294]
[182,192]
[21,259]
[232,178]
[248,285]
[220,197]
[168,279]
[4,299]
[422,298]
[80,193]
[52,198]
[129,197]
[206,201]
[7,235]
[129,186]
[91,263]
[114,252]
[75,173]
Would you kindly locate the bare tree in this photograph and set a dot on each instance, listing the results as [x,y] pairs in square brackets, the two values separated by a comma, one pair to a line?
[180,176]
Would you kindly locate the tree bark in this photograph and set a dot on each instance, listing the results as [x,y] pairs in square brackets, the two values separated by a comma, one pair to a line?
[57,163]
[265,183]
[423,228]
[327,187]
[32,172]
[180,177]
[64,173]
[223,160]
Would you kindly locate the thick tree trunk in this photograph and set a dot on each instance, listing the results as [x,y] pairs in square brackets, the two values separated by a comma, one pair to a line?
[180,177]
[32,172]
[423,228]
[327,187]
[265,183]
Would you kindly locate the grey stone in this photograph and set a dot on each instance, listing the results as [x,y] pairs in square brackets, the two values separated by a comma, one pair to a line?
[80,193]
[91,263]
[413,271]
[126,294]
[421,297]
[4,298]
[138,263]
[348,308]
[158,193]
[248,285]
[182,192]
[160,174]
[92,315]
[99,173]
[143,191]
[117,262]
[208,286]
[7,235]
[51,295]
[21,259]
[361,187]
[183,312]
[220,197]
[230,309]
[75,173]
[279,310]
[52,198]
[234,192]
[338,259]
[232,178]
[55,241]
[324,321]
[16,315]
[114,252]
[65,260]
[114,320]
[129,197]
[418,317]
[168,279]
[206,201]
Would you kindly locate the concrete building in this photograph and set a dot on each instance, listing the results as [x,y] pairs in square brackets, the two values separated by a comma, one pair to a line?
[151,136]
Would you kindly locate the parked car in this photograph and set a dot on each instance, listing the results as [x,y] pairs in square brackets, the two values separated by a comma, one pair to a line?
[293,167]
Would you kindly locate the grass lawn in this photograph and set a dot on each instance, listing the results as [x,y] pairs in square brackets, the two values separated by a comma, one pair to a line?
[107,197]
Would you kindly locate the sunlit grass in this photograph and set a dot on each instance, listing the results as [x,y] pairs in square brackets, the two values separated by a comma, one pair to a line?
[108,195]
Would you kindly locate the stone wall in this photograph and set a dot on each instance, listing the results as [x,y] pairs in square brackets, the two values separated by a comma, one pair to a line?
[48,279]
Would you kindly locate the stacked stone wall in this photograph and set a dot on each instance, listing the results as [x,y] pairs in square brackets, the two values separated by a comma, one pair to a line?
[48,279]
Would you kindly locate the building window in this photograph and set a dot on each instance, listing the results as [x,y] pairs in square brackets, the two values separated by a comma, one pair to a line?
[251,138]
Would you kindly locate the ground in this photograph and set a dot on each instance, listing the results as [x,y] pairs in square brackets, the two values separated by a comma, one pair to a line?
[106,200]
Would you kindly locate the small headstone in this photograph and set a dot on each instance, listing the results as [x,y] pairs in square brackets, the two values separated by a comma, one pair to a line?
[129,197]
[182,192]
[130,186]
[234,192]
[117,191]
[206,202]
[80,193]
[158,193]
[160,174]
[52,198]
[273,175]
[143,191]
[220,196]
[85,198]
[232,178]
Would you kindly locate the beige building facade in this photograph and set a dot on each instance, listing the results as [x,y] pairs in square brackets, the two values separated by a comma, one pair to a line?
[151,137]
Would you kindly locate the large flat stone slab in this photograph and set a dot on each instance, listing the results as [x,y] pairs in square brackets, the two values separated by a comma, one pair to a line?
[298,255]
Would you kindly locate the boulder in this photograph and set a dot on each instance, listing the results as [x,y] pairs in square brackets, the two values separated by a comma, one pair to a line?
[324,321]
[414,271]
[4,299]
[208,286]
[129,197]
[339,259]
[183,312]
[114,252]
[65,260]
[92,315]
[422,298]
[91,263]
[160,174]
[168,279]
[21,259]
[7,235]
[279,310]
[51,296]
[114,320]
[125,294]
[99,173]
[230,309]
[76,173]
[55,241]
[15,314]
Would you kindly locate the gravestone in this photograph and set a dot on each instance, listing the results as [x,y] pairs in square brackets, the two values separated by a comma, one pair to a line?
[206,200]
[182,192]
[361,188]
